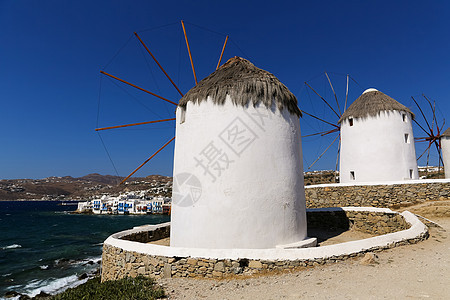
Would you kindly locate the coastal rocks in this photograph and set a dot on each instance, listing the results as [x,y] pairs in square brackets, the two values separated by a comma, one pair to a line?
[391,196]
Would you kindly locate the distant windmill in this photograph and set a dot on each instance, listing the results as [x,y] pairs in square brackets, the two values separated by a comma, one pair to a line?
[175,103]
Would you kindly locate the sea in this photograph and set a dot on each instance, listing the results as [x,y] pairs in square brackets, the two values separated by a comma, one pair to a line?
[46,248]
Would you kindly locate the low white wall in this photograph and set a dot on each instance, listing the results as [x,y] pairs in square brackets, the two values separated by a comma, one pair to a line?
[417,230]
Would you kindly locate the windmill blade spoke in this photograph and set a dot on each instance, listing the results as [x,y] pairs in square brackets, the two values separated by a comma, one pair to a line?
[428,154]
[134,124]
[422,128]
[439,152]
[330,131]
[189,50]
[323,100]
[435,120]
[156,61]
[338,151]
[332,88]
[223,50]
[424,152]
[428,100]
[423,115]
[313,116]
[346,95]
[323,152]
[143,164]
[137,87]
[314,134]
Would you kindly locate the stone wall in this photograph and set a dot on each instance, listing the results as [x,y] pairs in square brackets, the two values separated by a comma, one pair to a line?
[118,263]
[379,195]
[148,236]
[375,223]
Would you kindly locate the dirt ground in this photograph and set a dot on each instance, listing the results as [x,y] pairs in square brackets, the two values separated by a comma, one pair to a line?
[407,272]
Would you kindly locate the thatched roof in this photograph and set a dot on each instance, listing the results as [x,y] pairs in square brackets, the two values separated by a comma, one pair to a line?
[245,84]
[371,103]
[446,133]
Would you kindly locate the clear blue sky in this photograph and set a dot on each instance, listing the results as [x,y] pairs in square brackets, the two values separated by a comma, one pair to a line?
[51,53]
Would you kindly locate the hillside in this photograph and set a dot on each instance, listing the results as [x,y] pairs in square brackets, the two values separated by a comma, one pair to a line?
[81,188]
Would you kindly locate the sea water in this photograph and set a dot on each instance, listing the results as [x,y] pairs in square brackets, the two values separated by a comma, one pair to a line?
[43,247]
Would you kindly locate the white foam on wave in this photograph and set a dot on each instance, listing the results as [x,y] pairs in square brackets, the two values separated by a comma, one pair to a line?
[13,246]
[52,286]
[95,259]
[44,267]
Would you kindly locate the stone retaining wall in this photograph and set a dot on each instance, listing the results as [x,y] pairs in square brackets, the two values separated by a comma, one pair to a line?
[375,223]
[148,236]
[118,263]
[377,195]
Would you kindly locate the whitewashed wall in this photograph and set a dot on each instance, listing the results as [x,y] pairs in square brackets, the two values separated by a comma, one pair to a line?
[374,148]
[445,143]
[257,200]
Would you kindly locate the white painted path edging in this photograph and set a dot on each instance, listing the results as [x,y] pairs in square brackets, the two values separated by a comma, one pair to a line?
[417,230]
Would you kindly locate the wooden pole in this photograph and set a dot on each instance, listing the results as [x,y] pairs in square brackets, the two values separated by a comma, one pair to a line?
[323,152]
[134,124]
[337,159]
[331,131]
[156,61]
[189,50]
[139,88]
[323,100]
[429,145]
[346,96]
[154,154]
[314,134]
[332,88]
[320,119]
[221,54]
[423,115]
[421,127]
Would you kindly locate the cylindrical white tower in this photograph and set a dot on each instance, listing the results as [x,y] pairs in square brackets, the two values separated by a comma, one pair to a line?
[377,141]
[445,144]
[238,171]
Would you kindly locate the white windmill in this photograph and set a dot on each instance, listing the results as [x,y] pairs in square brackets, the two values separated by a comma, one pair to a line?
[377,142]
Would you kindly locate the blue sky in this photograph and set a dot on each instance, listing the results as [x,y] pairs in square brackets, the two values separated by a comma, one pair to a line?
[51,53]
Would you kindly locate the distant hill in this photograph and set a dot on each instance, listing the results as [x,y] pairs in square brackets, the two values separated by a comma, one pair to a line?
[81,188]
[106,179]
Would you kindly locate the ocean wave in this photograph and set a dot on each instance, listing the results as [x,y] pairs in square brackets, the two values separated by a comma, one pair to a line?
[88,261]
[13,246]
[52,286]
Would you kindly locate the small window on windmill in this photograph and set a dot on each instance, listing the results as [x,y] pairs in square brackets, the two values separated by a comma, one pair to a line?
[404,117]
[350,121]
[411,172]
[182,114]
[352,175]
[407,138]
